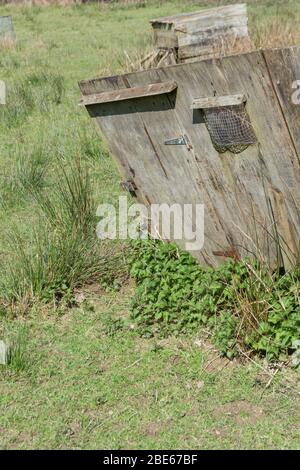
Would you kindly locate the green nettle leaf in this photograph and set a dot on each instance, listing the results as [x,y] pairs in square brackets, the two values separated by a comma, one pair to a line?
[174,292]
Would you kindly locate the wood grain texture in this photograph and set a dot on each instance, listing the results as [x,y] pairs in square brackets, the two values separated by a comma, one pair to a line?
[165,39]
[204,33]
[203,17]
[284,69]
[128,93]
[283,230]
[238,191]
[217,101]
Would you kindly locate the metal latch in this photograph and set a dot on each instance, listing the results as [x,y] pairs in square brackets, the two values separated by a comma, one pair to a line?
[183,140]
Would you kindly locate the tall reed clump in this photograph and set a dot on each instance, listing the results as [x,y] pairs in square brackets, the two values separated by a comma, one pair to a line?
[30,169]
[63,252]
[27,172]
[36,91]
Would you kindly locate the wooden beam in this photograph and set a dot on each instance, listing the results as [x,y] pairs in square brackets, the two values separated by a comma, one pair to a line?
[217,101]
[203,16]
[128,93]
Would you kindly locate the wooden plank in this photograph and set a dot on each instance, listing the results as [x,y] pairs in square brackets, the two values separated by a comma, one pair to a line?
[217,101]
[125,131]
[284,231]
[276,162]
[180,186]
[284,69]
[219,46]
[101,84]
[214,25]
[165,39]
[108,128]
[188,171]
[202,15]
[128,93]
[217,50]
[209,35]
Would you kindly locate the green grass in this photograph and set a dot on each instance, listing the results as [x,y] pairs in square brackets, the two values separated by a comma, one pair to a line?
[90,384]
[78,377]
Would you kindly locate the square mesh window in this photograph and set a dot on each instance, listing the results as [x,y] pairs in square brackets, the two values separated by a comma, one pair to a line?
[229,128]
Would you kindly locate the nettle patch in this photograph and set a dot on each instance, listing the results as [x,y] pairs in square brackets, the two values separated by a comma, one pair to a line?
[242,305]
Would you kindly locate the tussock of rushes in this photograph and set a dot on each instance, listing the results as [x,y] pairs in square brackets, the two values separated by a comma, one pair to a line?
[27,175]
[63,252]
[17,358]
[36,91]
[31,169]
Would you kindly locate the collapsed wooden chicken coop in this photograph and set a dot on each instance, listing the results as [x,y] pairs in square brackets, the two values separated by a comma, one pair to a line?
[223,132]
[199,35]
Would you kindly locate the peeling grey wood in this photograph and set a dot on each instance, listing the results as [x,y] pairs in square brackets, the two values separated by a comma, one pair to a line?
[229,206]
[218,101]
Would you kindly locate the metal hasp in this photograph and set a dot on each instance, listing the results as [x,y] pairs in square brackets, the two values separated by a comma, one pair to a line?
[182,140]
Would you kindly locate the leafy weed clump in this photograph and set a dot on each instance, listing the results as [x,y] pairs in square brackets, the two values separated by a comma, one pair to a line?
[242,305]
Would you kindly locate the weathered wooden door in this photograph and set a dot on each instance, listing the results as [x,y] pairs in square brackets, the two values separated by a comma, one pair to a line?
[251,199]
[139,131]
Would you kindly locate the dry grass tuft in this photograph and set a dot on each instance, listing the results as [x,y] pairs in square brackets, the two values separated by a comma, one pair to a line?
[7,43]
[276,33]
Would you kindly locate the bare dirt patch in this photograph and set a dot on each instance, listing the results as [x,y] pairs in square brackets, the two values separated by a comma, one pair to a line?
[241,412]
[153,429]
[214,362]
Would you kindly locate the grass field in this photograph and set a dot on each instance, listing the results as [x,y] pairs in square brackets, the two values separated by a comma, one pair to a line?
[89,384]
[82,377]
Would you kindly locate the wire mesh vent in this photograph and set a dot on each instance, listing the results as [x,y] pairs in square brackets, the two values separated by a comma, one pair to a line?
[229,128]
